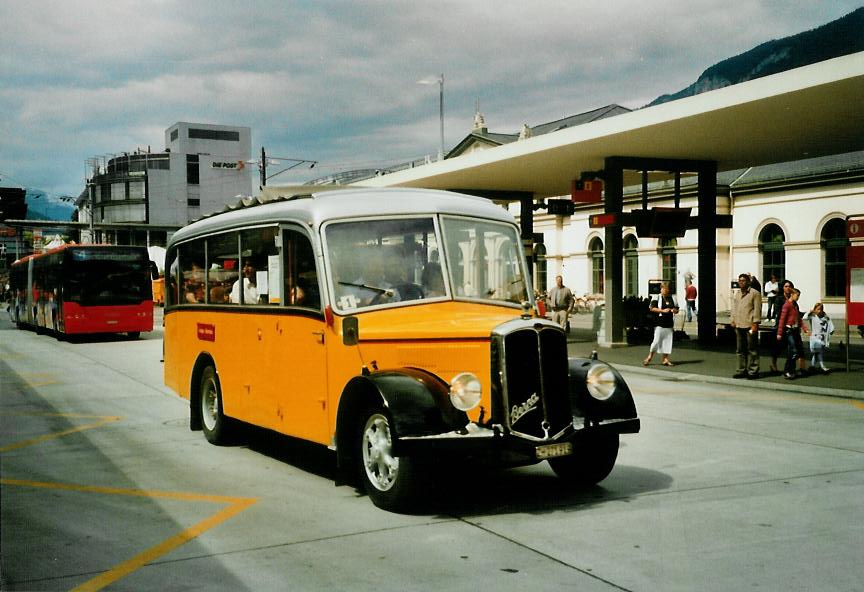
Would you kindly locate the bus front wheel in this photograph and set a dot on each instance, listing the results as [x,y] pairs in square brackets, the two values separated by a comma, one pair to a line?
[213,421]
[591,464]
[392,483]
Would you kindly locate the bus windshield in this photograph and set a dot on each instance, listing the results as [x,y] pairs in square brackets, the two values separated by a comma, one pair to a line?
[380,262]
[388,261]
[484,259]
[101,277]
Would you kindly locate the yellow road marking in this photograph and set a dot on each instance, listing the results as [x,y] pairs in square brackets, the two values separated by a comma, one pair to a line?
[103,419]
[46,378]
[237,505]
[55,414]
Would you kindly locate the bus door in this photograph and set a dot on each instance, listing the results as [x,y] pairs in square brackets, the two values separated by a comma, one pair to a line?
[289,373]
[299,355]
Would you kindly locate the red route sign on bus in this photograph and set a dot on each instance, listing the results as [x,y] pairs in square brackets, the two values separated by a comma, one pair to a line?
[206,332]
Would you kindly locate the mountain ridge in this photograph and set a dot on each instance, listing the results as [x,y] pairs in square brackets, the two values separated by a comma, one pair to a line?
[837,38]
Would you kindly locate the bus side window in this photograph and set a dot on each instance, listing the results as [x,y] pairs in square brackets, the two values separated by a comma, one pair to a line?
[260,273]
[192,272]
[223,272]
[172,296]
[301,278]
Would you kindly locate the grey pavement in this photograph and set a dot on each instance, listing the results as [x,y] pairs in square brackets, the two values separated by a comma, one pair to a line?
[717,363]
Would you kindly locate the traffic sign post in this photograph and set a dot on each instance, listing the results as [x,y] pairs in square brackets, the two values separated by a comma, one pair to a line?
[586,191]
[602,220]
[560,207]
[854,277]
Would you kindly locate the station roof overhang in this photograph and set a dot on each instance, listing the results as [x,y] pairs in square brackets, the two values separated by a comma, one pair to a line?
[808,112]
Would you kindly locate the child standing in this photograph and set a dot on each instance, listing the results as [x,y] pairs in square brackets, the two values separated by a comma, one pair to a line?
[821,329]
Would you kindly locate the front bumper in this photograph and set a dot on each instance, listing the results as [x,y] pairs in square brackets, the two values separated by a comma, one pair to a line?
[494,445]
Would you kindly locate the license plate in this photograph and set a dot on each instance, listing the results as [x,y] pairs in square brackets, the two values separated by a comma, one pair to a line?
[553,450]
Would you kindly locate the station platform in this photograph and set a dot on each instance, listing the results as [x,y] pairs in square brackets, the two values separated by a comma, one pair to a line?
[717,363]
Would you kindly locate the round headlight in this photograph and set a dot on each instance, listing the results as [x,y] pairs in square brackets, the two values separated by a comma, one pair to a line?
[465,391]
[600,381]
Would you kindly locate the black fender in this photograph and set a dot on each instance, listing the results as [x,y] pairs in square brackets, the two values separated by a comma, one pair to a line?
[417,402]
[619,406]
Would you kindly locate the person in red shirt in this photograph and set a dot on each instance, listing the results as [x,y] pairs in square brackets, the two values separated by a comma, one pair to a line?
[785,290]
[789,327]
[690,296]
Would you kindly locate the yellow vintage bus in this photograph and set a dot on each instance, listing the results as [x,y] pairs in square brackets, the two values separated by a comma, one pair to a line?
[395,326]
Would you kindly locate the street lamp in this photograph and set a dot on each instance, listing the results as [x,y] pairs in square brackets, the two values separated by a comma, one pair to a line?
[440,80]
[265,160]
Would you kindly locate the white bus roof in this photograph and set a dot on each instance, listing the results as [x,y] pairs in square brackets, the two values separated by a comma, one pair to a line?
[313,206]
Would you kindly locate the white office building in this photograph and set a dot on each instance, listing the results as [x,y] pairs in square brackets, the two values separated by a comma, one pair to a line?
[143,197]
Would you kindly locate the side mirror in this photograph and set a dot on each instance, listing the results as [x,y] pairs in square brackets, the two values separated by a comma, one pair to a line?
[350,331]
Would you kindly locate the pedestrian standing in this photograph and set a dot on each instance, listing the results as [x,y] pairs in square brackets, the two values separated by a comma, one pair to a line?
[665,309]
[786,288]
[690,295]
[754,283]
[789,330]
[771,287]
[821,329]
[746,316]
[561,301]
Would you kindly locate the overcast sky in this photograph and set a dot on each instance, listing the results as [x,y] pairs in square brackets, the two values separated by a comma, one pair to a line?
[336,82]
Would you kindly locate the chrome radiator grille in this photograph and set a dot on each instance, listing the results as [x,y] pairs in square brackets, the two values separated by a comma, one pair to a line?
[532,364]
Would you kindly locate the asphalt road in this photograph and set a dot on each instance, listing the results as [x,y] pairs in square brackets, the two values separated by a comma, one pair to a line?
[104,485]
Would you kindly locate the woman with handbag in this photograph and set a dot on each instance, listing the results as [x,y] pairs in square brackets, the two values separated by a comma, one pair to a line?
[665,309]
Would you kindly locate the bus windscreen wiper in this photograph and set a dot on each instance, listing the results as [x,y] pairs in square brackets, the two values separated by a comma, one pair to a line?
[385,291]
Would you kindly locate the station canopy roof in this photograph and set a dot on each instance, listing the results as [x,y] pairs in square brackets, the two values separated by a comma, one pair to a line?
[808,112]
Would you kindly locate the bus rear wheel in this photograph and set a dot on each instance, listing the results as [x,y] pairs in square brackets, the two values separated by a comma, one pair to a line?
[213,421]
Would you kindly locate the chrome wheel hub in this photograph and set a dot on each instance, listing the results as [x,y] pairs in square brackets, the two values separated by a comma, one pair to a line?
[209,405]
[382,468]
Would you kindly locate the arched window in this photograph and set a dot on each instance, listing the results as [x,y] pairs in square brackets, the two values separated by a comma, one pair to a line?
[669,262]
[631,266]
[771,245]
[540,269]
[595,248]
[834,251]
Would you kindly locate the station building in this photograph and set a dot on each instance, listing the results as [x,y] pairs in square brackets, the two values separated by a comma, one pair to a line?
[789,220]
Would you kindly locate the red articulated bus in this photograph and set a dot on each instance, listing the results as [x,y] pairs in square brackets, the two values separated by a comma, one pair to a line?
[78,289]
